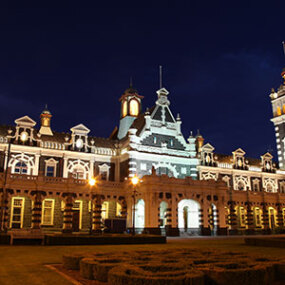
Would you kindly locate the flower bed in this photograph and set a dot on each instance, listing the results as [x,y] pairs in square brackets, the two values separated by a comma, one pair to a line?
[177,266]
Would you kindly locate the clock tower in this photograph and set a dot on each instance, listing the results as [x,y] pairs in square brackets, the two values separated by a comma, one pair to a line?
[45,122]
[130,109]
[278,108]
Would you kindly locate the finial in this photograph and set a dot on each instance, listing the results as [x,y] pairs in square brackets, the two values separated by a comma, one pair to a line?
[160,76]
[46,106]
[178,117]
[191,133]
[198,132]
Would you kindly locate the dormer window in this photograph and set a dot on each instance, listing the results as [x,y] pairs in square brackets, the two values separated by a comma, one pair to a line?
[154,140]
[50,171]
[104,171]
[171,142]
[125,109]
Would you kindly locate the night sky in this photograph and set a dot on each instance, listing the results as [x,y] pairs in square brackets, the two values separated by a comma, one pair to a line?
[220,60]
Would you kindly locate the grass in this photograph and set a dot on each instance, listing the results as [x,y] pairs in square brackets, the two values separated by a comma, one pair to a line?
[25,264]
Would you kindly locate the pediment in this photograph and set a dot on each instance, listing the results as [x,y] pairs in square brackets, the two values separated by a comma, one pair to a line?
[25,121]
[239,151]
[267,155]
[80,129]
[208,148]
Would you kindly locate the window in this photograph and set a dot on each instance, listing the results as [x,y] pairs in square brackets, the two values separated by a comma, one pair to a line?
[17,213]
[278,111]
[171,142]
[269,187]
[125,109]
[256,185]
[241,186]
[104,210]
[48,209]
[50,171]
[183,170]
[21,168]
[134,107]
[257,215]
[143,166]
[154,140]
[104,175]
[104,171]
[78,173]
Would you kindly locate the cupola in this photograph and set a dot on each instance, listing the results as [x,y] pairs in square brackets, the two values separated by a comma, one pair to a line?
[45,122]
[130,110]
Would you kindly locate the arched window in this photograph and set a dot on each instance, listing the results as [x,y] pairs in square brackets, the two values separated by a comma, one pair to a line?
[269,187]
[241,186]
[78,173]
[278,110]
[21,168]
[134,107]
[124,109]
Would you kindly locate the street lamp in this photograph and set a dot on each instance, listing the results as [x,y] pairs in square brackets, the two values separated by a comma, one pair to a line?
[135,180]
[92,182]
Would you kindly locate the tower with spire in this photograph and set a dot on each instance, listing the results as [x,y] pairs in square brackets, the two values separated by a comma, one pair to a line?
[45,122]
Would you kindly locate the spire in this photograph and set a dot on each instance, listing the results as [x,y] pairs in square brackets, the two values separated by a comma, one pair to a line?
[131,82]
[160,76]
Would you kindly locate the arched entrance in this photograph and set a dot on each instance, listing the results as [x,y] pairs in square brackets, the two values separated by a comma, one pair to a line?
[188,216]
[162,214]
[139,218]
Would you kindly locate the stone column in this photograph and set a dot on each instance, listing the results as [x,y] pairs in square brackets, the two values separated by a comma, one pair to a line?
[36,167]
[204,219]
[67,214]
[37,211]
[96,214]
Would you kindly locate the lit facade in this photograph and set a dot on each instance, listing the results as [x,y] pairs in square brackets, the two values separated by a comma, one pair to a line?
[185,187]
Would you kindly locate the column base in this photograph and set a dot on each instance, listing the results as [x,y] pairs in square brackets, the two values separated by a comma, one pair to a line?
[222,231]
[171,232]
[67,231]
[205,231]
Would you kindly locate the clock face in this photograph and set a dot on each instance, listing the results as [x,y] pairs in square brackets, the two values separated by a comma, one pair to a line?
[79,143]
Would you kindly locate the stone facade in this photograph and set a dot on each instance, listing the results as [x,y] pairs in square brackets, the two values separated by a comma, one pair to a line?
[184,186]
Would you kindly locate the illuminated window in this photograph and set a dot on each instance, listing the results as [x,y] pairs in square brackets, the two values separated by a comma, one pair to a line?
[125,109]
[283,109]
[21,168]
[17,213]
[278,111]
[45,122]
[134,107]
[48,209]
[257,215]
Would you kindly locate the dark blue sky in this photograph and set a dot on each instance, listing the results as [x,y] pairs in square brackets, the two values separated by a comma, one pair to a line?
[220,60]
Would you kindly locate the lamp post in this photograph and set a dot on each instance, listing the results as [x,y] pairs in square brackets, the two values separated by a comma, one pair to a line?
[4,195]
[135,180]
[92,182]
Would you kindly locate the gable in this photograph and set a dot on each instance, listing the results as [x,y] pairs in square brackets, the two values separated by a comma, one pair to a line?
[25,121]
[80,129]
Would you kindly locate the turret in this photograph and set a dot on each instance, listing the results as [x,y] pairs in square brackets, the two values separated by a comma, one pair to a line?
[45,122]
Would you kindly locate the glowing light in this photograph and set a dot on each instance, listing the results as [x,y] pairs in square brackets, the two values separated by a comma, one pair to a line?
[134,107]
[79,143]
[92,181]
[24,136]
[135,180]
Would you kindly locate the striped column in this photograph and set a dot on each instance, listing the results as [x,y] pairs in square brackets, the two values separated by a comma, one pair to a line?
[4,210]
[37,211]
[249,216]
[96,217]
[233,216]
[168,217]
[265,217]
[279,216]
[124,209]
[67,215]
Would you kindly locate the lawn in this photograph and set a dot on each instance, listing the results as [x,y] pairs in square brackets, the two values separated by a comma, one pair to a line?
[25,264]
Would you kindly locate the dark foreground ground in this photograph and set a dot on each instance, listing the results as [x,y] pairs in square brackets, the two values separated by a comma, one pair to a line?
[26,264]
